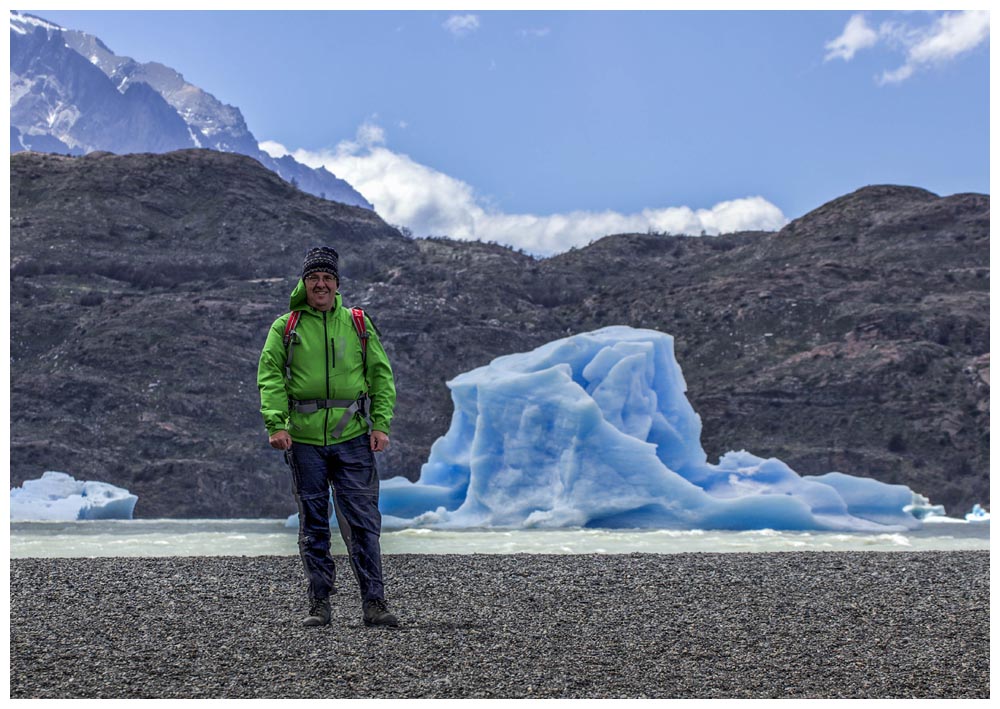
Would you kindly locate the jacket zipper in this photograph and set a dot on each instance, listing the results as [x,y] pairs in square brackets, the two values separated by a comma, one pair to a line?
[326,357]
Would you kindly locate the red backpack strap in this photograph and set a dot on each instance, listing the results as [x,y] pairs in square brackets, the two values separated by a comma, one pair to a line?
[364,400]
[358,315]
[293,320]
[290,338]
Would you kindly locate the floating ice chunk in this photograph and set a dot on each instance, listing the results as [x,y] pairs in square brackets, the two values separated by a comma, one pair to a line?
[57,496]
[978,514]
[595,430]
[922,509]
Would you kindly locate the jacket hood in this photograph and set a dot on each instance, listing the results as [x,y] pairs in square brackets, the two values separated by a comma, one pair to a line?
[297,300]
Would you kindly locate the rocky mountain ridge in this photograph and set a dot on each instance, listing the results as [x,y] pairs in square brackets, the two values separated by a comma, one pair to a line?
[71,94]
[854,339]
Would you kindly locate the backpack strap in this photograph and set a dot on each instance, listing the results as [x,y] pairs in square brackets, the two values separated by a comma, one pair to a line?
[361,405]
[365,401]
[290,338]
[358,316]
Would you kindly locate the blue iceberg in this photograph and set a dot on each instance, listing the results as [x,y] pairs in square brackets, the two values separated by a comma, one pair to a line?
[978,514]
[595,430]
[59,497]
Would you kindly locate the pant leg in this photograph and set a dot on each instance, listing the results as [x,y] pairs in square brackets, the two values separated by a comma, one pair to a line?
[312,493]
[355,486]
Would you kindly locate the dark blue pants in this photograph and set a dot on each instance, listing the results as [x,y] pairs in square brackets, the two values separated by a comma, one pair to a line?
[349,468]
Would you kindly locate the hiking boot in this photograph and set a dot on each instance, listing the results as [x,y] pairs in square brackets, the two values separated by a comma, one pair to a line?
[319,612]
[377,613]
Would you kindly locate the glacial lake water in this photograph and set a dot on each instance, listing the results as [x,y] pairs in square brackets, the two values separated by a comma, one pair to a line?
[256,537]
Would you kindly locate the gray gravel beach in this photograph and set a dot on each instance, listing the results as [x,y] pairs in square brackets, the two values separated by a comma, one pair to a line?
[816,624]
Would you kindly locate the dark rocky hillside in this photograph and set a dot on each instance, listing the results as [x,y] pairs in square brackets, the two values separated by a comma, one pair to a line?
[142,286]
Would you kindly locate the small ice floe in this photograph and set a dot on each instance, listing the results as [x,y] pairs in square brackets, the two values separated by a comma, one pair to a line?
[922,509]
[941,519]
[978,514]
[59,497]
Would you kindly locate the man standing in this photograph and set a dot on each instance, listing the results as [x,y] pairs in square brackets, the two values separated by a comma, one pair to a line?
[327,396]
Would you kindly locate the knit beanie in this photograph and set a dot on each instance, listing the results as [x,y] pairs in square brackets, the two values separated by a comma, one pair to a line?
[322,258]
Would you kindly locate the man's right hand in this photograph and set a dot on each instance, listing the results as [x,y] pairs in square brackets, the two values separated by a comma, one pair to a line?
[280,440]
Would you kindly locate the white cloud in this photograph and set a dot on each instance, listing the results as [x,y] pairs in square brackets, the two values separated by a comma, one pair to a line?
[369,134]
[951,35]
[272,148]
[431,203]
[535,32]
[461,25]
[896,75]
[857,35]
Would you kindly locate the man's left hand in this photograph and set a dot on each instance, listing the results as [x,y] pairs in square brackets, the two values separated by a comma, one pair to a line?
[380,441]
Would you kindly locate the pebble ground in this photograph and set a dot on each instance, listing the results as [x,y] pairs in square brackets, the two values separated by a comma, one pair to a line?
[812,624]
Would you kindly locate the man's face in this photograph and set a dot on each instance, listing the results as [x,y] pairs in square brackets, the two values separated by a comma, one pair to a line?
[321,288]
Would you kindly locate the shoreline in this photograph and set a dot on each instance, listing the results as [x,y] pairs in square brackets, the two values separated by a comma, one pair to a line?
[767,624]
[161,538]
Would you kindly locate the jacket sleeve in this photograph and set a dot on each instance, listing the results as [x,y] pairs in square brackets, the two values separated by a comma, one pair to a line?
[381,387]
[271,379]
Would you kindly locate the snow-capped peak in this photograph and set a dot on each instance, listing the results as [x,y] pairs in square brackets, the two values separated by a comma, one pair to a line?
[22,23]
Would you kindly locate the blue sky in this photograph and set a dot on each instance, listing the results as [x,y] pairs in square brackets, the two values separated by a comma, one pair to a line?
[547,129]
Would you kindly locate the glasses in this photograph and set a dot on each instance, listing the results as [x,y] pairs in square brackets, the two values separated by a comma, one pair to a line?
[316,278]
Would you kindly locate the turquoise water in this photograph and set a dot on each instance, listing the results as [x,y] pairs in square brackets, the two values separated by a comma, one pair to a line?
[255,537]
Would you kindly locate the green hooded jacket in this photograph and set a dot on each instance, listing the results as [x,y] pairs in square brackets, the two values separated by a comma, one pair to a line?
[326,364]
